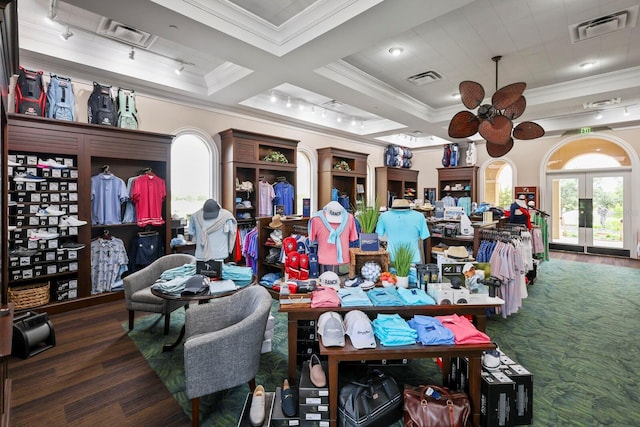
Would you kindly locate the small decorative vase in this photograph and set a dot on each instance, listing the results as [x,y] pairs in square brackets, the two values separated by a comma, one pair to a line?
[403,281]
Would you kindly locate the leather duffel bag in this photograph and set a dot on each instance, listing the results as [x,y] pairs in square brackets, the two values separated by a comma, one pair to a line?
[434,406]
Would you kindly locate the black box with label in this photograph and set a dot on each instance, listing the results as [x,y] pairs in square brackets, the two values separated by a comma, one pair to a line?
[279,419]
[524,392]
[497,400]
[308,393]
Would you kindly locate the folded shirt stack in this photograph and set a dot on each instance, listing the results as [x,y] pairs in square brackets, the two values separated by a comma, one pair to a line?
[354,297]
[268,279]
[393,330]
[463,330]
[431,331]
[242,276]
[415,297]
[324,297]
[387,297]
[187,270]
[174,286]
[222,286]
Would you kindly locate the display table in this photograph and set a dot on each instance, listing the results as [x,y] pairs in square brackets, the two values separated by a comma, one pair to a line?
[477,308]
[200,299]
[416,351]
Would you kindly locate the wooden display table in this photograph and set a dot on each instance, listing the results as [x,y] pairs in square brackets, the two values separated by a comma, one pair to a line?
[416,351]
[477,308]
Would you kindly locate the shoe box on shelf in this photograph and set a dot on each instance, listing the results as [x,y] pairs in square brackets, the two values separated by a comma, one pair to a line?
[245,420]
[307,340]
[313,401]
[42,195]
[278,418]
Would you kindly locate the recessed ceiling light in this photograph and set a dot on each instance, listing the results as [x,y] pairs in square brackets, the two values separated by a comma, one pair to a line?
[273,97]
[586,65]
[395,51]
[598,116]
[456,95]
[626,111]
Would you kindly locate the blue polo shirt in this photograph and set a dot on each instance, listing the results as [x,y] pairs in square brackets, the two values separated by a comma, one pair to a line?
[403,226]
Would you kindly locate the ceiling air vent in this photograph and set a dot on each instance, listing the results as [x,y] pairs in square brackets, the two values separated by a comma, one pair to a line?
[424,78]
[125,34]
[604,25]
[601,103]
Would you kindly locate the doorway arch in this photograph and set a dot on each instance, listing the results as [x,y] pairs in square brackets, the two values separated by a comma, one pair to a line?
[587,192]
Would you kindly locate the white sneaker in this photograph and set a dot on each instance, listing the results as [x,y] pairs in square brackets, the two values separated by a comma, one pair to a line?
[12,163]
[42,235]
[27,177]
[71,221]
[50,163]
[49,212]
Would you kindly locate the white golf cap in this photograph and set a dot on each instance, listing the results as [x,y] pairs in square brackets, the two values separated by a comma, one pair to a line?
[330,280]
[359,329]
[331,329]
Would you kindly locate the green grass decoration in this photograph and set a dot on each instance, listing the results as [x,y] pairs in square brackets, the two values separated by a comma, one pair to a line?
[403,258]
[368,217]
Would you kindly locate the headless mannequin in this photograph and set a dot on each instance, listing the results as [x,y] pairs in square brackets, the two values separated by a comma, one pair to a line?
[214,230]
[519,213]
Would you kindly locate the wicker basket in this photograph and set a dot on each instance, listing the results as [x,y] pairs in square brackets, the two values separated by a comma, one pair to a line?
[28,296]
[359,258]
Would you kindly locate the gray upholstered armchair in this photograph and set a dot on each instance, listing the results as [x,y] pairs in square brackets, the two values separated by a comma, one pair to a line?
[223,343]
[137,288]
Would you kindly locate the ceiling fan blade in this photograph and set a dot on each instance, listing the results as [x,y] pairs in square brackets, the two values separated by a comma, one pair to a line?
[497,129]
[497,150]
[528,130]
[463,124]
[471,93]
[516,109]
[507,95]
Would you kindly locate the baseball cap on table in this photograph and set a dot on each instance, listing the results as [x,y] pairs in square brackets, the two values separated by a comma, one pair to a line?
[329,279]
[331,329]
[360,330]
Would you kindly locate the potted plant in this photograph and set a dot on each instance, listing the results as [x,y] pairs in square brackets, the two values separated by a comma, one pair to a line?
[402,260]
[368,219]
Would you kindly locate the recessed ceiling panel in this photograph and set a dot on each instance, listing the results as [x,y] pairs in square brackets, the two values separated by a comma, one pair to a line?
[276,12]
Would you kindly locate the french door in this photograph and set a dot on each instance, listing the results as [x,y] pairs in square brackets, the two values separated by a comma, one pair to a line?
[590,211]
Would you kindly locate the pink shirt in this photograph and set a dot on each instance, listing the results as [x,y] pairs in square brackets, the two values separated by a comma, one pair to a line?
[327,252]
[148,193]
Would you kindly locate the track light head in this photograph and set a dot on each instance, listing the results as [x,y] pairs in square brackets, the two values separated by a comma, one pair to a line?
[132,54]
[180,69]
[66,35]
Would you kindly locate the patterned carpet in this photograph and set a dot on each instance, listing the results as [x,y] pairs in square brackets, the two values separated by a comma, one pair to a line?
[577,333]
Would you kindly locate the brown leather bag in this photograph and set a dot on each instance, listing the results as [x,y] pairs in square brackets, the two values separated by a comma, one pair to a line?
[434,406]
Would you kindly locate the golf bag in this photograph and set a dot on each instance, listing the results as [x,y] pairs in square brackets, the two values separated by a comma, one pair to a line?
[101,107]
[60,98]
[30,95]
[127,113]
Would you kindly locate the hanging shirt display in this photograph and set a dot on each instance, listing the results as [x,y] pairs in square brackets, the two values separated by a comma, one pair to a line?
[108,192]
[148,194]
[284,195]
[403,226]
[108,261]
[266,195]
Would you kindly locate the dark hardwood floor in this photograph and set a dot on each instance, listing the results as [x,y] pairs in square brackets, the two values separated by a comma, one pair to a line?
[95,375]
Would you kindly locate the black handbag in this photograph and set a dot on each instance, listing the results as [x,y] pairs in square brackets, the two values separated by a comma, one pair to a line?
[376,401]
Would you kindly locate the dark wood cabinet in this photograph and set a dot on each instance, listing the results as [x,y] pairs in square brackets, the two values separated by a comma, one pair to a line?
[87,149]
[458,181]
[345,171]
[394,183]
[289,226]
[245,158]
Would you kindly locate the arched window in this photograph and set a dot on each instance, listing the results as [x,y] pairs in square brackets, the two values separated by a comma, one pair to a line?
[192,173]
[305,174]
[498,183]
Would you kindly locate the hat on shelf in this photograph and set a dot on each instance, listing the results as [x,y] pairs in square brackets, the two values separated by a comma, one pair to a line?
[247,203]
[360,330]
[333,211]
[447,188]
[467,188]
[276,222]
[400,204]
[457,252]
[331,329]
[329,279]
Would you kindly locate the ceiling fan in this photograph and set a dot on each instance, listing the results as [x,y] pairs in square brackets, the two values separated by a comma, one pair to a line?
[494,121]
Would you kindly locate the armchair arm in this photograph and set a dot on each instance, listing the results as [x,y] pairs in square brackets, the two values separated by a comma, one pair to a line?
[144,278]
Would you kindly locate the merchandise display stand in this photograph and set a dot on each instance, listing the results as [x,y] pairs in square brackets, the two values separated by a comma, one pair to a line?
[350,179]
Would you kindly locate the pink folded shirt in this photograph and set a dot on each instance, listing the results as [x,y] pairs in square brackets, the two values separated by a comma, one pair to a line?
[463,330]
[325,297]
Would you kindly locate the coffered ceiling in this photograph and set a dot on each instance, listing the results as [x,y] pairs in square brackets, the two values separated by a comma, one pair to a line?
[326,64]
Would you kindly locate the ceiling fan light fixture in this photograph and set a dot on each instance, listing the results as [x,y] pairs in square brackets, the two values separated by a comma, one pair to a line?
[395,51]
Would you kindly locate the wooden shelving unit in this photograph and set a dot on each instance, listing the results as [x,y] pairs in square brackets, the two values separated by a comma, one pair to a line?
[243,155]
[466,176]
[394,183]
[352,182]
